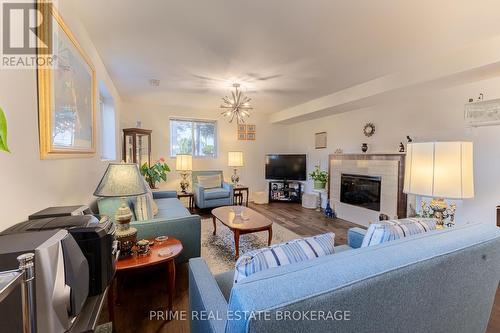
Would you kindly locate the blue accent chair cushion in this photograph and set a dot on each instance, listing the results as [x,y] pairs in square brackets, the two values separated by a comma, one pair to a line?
[385,231]
[283,254]
[216,193]
[211,197]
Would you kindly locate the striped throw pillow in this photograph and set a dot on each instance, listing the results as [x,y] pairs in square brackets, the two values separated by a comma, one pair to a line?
[385,231]
[283,254]
[144,206]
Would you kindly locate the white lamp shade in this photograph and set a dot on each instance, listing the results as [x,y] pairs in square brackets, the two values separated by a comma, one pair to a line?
[184,162]
[235,159]
[440,169]
[121,180]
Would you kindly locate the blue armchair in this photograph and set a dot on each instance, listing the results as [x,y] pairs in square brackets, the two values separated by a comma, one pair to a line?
[211,197]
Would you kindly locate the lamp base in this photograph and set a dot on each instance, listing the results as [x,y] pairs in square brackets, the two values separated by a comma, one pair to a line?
[125,235]
[235,179]
[184,182]
[127,239]
[440,212]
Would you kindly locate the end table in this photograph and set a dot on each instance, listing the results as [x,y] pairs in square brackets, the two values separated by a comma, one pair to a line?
[137,263]
[238,194]
[190,197]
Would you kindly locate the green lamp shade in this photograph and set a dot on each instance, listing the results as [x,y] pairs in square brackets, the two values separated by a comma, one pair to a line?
[121,180]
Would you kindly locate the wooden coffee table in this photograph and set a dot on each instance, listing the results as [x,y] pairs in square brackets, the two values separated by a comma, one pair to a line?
[256,222]
[136,262]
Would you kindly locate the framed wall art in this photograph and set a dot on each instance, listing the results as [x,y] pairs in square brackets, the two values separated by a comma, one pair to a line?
[320,140]
[66,95]
[247,132]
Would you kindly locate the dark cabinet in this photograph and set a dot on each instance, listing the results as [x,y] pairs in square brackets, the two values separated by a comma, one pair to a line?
[137,146]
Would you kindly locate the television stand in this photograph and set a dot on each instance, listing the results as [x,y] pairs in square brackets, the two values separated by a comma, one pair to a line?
[287,191]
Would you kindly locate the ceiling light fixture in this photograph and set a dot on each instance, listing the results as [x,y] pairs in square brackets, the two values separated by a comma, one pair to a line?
[238,107]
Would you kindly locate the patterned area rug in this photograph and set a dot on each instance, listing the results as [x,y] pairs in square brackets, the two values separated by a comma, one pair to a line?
[218,250]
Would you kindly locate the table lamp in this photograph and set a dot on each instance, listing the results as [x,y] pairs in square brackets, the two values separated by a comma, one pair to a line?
[235,160]
[440,170]
[122,180]
[184,164]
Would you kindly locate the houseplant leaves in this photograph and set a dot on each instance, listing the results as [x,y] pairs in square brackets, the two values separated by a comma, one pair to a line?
[3,132]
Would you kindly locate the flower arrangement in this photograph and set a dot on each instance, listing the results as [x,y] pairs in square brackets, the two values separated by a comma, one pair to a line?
[3,132]
[155,173]
[320,177]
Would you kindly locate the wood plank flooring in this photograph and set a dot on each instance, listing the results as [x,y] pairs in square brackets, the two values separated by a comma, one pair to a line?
[145,292]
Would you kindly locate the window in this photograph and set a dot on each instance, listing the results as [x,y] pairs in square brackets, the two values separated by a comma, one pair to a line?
[108,130]
[195,137]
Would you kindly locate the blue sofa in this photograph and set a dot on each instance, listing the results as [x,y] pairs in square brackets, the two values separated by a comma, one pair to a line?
[173,219]
[441,281]
[212,197]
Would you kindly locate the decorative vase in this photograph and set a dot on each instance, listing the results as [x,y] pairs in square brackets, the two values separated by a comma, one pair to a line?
[364,147]
[319,185]
[328,210]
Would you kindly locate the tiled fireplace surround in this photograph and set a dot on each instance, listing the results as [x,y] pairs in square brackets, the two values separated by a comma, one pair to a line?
[370,165]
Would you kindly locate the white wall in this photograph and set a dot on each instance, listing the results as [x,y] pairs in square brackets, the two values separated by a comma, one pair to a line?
[269,139]
[431,116]
[28,184]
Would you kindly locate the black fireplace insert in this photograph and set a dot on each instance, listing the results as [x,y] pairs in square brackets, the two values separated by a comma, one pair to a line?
[361,190]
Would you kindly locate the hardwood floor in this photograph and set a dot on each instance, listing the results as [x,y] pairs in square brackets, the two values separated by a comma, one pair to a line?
[143,293]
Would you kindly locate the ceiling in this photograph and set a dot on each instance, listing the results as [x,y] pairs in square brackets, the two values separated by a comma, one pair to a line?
[283,52]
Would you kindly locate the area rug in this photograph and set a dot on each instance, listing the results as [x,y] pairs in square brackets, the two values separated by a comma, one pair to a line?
[218,250]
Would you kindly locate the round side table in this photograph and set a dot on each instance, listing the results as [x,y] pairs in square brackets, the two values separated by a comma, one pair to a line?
[135,262]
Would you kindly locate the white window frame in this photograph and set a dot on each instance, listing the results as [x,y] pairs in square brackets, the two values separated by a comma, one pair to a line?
[195,120]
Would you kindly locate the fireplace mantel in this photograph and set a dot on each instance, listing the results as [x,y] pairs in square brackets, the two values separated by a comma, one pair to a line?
[399,158]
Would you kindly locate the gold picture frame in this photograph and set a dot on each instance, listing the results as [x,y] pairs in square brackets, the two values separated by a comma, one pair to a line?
[66,94]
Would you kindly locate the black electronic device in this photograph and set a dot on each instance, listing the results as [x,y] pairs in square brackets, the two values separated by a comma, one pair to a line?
[286,167]
[95,238]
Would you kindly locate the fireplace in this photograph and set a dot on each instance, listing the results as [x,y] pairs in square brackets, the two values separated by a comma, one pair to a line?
[360,190]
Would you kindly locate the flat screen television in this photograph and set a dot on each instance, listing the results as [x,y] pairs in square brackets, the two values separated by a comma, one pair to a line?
[286,167]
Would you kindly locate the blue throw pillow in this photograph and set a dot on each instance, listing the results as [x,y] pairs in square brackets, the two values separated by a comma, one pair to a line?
[385,231]
[283,254]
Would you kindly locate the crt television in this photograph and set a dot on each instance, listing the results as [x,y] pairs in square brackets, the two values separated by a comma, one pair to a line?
[286,167]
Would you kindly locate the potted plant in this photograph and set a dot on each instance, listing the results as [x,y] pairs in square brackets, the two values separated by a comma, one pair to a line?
[155,173]
[320,178]
[3,132]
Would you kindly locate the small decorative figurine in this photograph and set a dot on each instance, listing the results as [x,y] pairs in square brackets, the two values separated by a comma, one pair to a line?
[364,147]
[329,211]
[401,147]
[142,247]
[408,138]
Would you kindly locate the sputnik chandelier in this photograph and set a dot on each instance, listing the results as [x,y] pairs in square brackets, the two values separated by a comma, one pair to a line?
[238,107]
